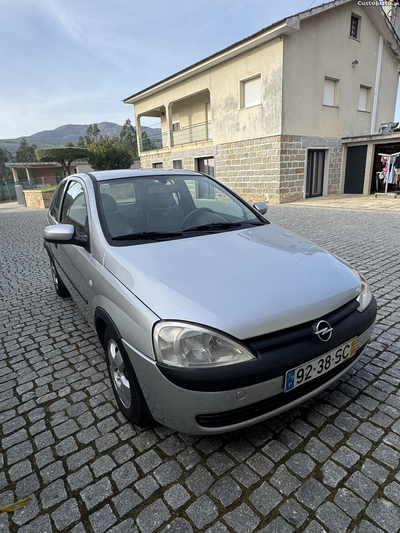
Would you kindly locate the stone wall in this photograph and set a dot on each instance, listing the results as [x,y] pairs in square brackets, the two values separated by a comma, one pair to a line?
[37,199]
[268,169]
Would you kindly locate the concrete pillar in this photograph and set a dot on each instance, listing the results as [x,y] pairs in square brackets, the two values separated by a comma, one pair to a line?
[30,174]
[15,174]
[369,166]
[138,134]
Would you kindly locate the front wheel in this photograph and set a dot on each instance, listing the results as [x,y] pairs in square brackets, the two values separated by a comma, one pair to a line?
[61,289]
[127,391]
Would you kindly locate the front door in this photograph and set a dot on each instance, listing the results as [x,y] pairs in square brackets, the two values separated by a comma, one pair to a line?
[315,173]
[355,169]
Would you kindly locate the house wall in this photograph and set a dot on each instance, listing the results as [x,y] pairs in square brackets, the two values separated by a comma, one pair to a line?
[271,169]
[222,83]
[47,176]
[261,152]
[387,89]
[322,48]
[191,110]
[231,123]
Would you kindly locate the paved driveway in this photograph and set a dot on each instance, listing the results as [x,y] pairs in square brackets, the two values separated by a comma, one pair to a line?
[331,465]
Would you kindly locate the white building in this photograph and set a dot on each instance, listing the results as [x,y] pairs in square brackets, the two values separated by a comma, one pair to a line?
[267,114]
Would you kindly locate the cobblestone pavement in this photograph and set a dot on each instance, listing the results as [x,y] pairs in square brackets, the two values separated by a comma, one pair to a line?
[330,465]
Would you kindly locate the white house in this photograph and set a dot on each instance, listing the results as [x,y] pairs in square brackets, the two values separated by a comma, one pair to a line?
[267,114]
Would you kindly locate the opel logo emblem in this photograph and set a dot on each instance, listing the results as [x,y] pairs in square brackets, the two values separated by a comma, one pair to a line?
[323,330]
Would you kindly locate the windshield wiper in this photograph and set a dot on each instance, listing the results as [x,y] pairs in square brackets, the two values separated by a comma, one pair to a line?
[147,235]
[220,225]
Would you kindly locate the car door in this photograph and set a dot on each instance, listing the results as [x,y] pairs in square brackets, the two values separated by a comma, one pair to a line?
[73,260]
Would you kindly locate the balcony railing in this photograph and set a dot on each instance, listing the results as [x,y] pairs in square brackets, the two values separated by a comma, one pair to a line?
[154,142]
[191,134]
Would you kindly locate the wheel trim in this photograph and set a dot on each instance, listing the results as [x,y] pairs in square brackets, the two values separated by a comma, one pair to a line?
[118,375]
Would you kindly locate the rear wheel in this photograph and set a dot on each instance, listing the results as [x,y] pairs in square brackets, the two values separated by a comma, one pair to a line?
[124,383]
[61,289]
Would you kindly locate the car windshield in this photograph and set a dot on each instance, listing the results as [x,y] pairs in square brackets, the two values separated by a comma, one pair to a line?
[166,207]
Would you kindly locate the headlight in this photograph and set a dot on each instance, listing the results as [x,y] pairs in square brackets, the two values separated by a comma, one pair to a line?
[185,345]
[365,297]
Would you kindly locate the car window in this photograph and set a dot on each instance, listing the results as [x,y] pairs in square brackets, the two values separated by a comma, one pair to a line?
[167,207]
[122,192]
[56,201]
[74,209]
[206,194]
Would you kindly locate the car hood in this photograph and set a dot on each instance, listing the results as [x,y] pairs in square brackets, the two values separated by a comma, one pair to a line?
[243,282]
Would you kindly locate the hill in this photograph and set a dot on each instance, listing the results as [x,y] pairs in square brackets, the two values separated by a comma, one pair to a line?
[65,134]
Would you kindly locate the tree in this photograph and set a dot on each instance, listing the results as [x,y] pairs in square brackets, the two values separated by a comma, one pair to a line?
[128,139]
[81,142]
[63,155]
[69,144]
[109,154]
[25,152]
[146,143]
[92,134]
[5,173]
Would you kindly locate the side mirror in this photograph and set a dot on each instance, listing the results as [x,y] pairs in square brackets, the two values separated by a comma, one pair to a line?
[261,207]
[64,234]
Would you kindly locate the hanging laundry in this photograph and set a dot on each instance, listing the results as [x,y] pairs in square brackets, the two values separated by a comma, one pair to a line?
[392,178]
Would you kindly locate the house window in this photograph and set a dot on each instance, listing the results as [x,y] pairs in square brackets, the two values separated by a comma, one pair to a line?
[206,165]
[355,26]
[157,165]
[176,125]
[251,92]
[363,98]
[330,92]
[177,164]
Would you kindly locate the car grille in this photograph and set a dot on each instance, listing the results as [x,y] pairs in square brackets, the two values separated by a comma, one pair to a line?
[265,342]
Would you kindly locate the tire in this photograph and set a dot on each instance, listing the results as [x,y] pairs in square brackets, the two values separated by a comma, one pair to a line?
[126,388]
[61,289]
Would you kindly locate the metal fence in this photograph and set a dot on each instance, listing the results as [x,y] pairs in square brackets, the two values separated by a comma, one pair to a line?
[154,142]
[192,134]
[7,189]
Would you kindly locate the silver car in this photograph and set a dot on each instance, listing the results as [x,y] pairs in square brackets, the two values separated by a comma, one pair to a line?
[212,318]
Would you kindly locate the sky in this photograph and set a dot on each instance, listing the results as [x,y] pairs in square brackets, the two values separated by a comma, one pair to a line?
[74,61]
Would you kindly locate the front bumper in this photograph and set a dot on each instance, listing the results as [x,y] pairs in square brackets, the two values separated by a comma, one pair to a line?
[215,411]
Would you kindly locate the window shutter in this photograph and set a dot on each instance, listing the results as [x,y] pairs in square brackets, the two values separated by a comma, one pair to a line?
[329,92]
[362,99]
[252,92]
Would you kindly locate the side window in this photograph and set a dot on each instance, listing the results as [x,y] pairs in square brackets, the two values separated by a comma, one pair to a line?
[56,201]
[74,209]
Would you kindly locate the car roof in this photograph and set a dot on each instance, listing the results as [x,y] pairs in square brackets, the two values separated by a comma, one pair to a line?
[140,173]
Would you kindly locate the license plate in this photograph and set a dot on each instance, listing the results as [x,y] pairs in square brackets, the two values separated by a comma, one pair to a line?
[320,365]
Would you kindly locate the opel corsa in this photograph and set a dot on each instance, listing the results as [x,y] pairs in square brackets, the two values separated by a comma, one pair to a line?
[211,317]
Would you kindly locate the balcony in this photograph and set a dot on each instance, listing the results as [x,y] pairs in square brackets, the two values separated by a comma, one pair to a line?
[188,135]
[154,142]
[191,134]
